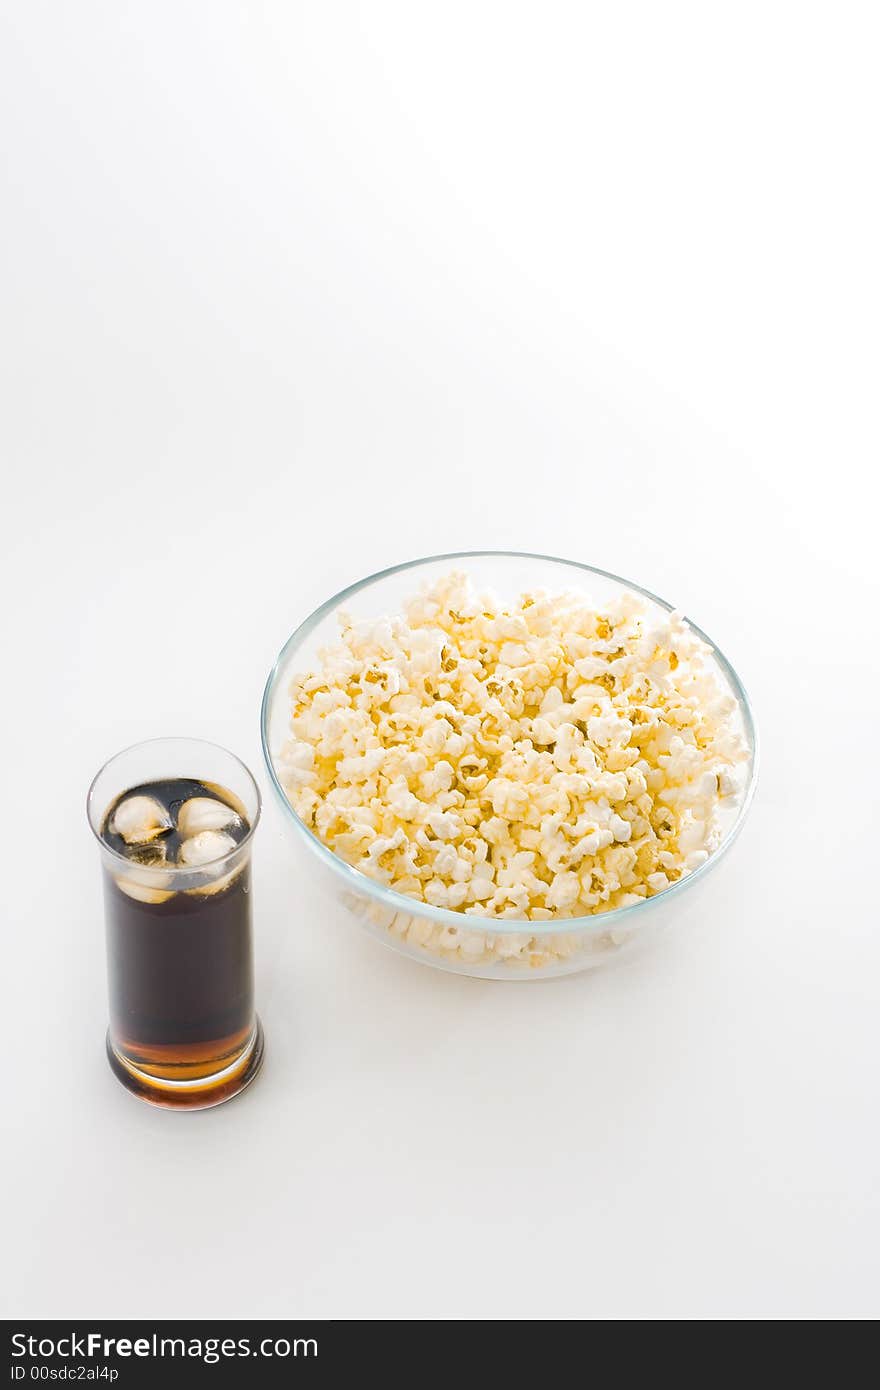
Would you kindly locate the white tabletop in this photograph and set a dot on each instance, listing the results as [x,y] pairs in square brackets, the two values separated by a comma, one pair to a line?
[296,292]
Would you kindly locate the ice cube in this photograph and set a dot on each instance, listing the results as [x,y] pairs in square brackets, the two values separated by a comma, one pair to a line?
[144,892]
[139,819]
[150,855]
[204,813]
[204,847]
[147,881]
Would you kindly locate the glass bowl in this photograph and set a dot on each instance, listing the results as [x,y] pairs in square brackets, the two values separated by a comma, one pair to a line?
[455,941]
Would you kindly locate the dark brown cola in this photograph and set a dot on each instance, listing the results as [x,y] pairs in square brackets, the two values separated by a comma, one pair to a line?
[179,945]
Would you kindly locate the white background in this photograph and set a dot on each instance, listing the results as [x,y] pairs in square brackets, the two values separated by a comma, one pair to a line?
[291,292]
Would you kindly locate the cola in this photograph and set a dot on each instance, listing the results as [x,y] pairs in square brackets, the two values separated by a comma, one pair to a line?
[177,885]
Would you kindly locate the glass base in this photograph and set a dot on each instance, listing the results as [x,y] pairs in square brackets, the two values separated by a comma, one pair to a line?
[191,1095]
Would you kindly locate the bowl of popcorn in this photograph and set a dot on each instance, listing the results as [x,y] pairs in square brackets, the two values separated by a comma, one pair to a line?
[508,765]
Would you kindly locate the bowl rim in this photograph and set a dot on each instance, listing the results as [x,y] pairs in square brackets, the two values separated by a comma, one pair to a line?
[595,923]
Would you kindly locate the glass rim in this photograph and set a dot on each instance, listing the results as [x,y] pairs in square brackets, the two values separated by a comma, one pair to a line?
[593,924]
[209,865]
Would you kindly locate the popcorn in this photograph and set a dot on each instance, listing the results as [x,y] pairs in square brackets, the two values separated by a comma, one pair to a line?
[528,762]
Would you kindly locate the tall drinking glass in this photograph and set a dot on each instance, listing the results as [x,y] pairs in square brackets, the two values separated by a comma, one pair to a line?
[174,819]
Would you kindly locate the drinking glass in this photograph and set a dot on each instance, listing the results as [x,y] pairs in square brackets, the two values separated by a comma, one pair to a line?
[183,1030]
